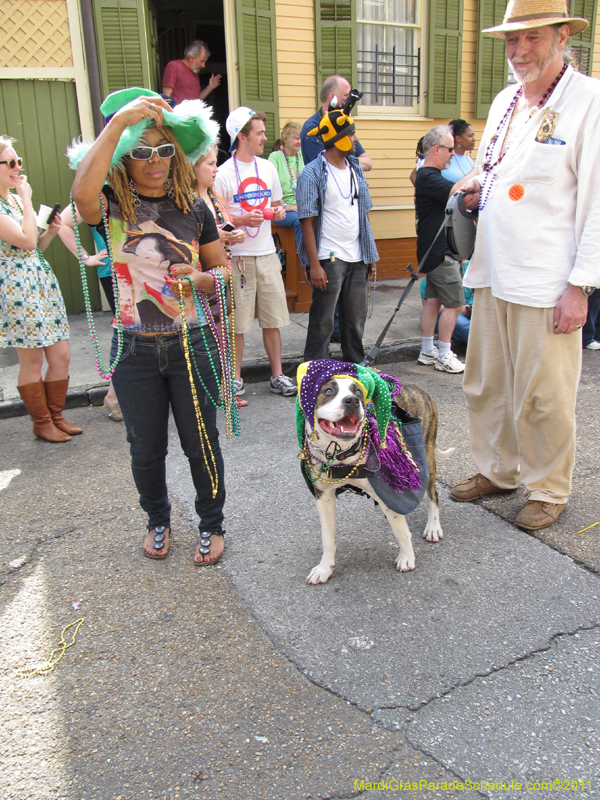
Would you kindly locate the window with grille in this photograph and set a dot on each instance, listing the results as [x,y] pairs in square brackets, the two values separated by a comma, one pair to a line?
[388,52]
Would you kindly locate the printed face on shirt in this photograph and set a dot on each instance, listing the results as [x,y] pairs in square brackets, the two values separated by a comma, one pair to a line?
[256,138]
[531,52]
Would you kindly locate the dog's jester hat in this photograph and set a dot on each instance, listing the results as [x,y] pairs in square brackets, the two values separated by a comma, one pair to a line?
[335,129]
[378,390]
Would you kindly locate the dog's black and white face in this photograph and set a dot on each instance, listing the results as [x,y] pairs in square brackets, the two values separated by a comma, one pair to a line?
[340,410]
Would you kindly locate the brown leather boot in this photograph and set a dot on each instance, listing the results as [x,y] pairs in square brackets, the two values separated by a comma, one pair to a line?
[34,397]
[56,394]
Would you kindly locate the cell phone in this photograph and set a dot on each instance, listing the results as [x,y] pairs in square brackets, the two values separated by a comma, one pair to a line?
[228,227]
[53,213]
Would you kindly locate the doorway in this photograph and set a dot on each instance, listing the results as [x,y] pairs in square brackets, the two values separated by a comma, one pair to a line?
[180,22]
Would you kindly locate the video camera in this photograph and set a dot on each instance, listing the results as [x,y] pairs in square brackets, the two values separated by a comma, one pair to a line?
[349,102]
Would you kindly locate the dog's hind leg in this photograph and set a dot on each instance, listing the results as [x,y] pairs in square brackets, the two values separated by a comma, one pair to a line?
[406,556]
[326,508]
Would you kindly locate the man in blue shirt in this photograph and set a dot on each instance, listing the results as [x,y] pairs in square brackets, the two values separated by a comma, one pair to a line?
[333,86]
[337,247]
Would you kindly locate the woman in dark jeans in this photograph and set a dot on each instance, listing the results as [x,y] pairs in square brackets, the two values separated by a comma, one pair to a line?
[159,231]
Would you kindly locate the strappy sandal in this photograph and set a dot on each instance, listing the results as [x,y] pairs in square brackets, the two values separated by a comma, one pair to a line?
[204,547]
[160,534]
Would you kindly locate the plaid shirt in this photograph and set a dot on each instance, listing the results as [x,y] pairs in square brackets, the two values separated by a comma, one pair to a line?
[310,197]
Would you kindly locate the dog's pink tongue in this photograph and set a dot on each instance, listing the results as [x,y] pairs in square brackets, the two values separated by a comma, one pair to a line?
[347,425]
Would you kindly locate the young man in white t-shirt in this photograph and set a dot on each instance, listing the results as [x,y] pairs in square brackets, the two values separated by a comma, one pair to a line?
[337,248]
[250,186]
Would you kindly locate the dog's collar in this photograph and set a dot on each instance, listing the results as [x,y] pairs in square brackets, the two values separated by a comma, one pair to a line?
[334,451]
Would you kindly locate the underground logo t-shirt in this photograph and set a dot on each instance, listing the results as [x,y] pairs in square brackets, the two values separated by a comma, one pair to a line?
[143,253]
[246,194]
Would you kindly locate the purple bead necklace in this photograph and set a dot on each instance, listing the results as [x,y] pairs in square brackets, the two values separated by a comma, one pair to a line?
[488,165]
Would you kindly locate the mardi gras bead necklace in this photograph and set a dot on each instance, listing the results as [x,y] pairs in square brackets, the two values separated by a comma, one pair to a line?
[489,164]
[259,192]
[106,374]
[315,476]
[211,467]
[223,338]
[293,181]
[332,173]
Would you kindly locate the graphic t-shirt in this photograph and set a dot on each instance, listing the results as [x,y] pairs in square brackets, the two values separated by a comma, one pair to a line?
[431,195]
[143,254]
[236,183]
[185,83]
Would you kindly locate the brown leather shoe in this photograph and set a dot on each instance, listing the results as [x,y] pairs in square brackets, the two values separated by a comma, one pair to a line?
[537,514]
[34,398]
[56,394]
[475,487]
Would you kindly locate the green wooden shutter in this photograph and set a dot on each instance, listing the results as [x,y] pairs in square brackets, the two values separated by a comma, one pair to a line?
[492,64]
[43,117]
[257,60]
[445,58]
[583,44]
[335,40]
[122,44]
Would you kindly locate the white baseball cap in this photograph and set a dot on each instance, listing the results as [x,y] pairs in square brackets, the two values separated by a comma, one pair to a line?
[236,121]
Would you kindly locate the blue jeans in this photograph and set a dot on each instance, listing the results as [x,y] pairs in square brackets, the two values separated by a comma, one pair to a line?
[461,329]
[151,376]
[591,329]
[348,282]
[291,218]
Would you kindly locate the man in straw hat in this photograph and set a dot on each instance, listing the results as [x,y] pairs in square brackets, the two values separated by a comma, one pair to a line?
[534,265]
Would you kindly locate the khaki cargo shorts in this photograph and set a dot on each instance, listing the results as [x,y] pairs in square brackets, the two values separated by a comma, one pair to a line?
[262,286]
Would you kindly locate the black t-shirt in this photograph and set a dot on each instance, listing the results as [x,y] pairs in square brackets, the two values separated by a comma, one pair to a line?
[431,195]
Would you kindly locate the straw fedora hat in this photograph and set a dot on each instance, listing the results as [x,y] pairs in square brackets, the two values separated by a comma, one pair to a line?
[522,15]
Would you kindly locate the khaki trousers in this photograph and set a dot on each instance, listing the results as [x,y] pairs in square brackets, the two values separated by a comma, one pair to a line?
[520,383]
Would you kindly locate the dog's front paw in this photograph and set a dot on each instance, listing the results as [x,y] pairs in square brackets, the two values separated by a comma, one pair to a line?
[433,533]
[405,563]
[320,574]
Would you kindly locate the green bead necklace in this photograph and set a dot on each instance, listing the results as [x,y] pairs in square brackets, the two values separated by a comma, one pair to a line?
[106,374]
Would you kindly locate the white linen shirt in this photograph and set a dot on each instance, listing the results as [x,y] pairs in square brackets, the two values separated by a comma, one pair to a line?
[528,250]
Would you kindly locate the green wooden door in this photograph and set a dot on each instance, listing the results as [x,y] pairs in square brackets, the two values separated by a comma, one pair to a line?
[42,116]
[123,48]
[335,40]
[445,58]
[257,60]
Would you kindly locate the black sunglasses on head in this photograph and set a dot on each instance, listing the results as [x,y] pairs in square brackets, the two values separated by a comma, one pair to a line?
[14,162]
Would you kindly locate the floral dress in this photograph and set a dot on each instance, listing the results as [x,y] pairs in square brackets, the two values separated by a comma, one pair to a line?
[32,310]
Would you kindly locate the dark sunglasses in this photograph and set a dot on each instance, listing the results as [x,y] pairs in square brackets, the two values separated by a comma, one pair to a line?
[449,149]
[14,162]
[145,153]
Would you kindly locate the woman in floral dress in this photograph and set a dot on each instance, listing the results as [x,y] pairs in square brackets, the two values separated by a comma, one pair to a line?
[33,318]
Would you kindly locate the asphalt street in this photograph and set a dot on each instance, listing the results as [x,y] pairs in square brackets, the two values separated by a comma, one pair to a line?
[241,681]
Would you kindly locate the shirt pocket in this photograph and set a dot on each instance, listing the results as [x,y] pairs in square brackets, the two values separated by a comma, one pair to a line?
[543,164]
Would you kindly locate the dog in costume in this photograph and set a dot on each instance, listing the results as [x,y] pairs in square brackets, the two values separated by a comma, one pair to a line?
[354,434]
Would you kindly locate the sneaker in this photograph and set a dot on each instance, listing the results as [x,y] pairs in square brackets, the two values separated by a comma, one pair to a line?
[593,345]
[449,363]
[283,385]
[428,358]
[238,387]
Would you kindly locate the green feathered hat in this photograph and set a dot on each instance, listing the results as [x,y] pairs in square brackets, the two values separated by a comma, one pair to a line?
[190,122]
